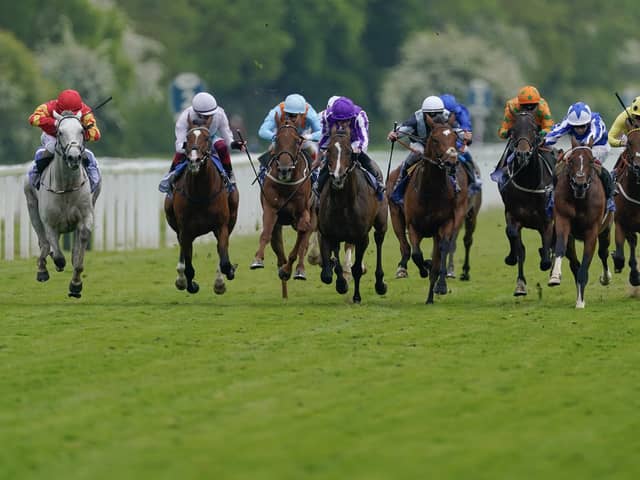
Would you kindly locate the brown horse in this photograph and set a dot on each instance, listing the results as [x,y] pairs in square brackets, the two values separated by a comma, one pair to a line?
[579,212]
[286,200]
[525,194]
[627,216]
[201,204]
[348,208]
[433,206]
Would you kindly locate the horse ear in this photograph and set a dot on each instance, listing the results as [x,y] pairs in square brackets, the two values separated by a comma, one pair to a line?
[429,121]
[574,142]
[278,119]
[334,129]
[208,120]
[56,115]
[452,119]
[591,142]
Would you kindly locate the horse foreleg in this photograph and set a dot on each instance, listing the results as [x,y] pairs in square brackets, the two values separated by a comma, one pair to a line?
[582,277]
[313,256]
[618,254]
[512,230]
[326,274]
[186,253]
[356,268]
[440,249]
[269,218]
[56,252]
[398,224]
[416,252]
[222,236]
[562,229]
[342,286]
[521,254]
[634,276]
[34,215]
[604,239]
[80,243]
[451,268]
[546,235]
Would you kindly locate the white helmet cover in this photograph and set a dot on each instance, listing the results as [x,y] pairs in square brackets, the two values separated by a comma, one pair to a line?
[204,104]
[433,104]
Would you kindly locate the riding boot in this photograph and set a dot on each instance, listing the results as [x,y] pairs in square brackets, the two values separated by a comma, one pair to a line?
[367,163]
[228,169]
[43,161]
[397,194]
[609,188]
[474,186]
[323,176]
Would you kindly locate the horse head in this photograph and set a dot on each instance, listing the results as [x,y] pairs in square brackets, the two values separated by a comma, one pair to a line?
[524,137]
[339,156]
[198,144]
[580,167]
[288,145]
[633,152]
[440,149]
[70,138]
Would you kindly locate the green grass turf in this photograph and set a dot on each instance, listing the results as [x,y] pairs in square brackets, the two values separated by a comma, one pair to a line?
[138,380]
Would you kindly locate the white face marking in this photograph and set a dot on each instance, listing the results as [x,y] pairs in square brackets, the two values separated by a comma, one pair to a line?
[336,172]
[447,132]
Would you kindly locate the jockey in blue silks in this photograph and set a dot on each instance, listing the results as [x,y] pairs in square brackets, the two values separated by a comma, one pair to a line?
[463,122]
[296,109]
[586,126]
[342,112]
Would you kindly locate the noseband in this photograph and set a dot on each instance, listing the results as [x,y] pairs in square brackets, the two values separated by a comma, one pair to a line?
[286,171]
[577,181]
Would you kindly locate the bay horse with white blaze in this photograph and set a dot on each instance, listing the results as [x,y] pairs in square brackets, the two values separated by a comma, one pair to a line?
[435,203]
[627,217]
[286,200]
[64,202]
[348,208]
[525,194]
[199,204]
[579,212]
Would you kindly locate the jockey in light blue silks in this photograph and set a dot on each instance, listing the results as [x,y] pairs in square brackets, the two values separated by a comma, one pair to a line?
[463,122]
[586,126]
[342,112]
[295,109]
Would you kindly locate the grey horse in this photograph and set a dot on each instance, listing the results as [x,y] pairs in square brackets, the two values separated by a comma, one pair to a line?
[64,202]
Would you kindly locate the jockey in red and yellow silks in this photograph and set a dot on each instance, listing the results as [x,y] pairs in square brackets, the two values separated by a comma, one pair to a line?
[43,117]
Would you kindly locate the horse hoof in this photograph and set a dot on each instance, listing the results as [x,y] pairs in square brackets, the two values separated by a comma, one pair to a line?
[283,274]
[313,259]
[181,283]
[520,291]
[229,271]
[219,287]
[441,289]
[510,260]
[75,289]
[326,277]
[605,279]
[618,263]
[300,275]
[42,276]
[381,288]
[554,281]
[424,273]
[451,274]
[580,305]
[342,286]
[428,264]
[545,265]
[193,288]
[257,264]
[634,279]
[465,277]
[357,300]
[402,272]
[60,263]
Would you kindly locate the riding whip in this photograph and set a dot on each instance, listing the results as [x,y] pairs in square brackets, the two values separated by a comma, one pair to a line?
[250,161]
[395,128]
[631,120]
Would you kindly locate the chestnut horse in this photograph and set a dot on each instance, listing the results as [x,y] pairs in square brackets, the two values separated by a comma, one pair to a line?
[200,204]
[286,200]
[579,212]
[348,208]
[525,195]
[474,203]
[434,206]
[627,216]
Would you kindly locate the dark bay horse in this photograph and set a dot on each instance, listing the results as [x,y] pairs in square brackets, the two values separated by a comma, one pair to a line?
[286,200]
[348,208]
[433,206]
[579,212]
[627,216]
[200,204]
[525,194]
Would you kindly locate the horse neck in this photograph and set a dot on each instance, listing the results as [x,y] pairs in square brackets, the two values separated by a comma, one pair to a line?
[431,174]
[62,177]
[204,181]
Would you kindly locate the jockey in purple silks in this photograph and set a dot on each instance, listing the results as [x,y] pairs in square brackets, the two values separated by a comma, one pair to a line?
[340,112]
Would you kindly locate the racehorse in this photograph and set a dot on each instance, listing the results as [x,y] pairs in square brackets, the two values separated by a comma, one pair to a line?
[286,200]
[64,202]
[313,255]
[579,212]
[627,215]
[525,195]
[348,208]
[199,204]
[435,203]
[474,202]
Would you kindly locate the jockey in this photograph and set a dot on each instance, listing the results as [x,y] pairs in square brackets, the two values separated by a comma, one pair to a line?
[341,111]
[296,109]
[417,127]
[528,99]
[463,122]
[586,126]
[627,120]
[203,110]
[71,101]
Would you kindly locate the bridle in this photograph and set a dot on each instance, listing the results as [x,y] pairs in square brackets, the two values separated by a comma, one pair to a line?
[525,157]
[580,182]
[440,161]
[286,172]
[337,178]
[70,157]
[195,153]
